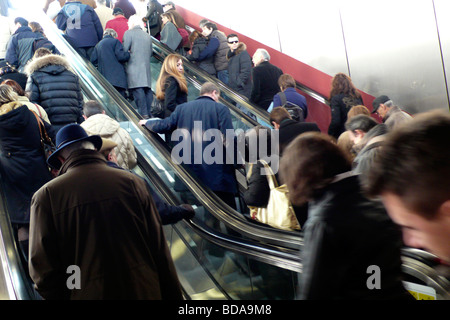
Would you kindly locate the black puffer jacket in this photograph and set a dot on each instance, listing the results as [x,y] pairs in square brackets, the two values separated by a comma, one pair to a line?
[53,85]
[240,70]
[345,234]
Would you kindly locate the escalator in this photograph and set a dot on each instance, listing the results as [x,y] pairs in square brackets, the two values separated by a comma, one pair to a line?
[258,263]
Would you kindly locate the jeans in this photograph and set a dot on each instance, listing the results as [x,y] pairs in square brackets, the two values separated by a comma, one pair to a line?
[143,97]
[223,76]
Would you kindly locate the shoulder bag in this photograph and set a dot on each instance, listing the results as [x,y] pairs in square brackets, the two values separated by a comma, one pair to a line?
[279,212]
[47,144]
[158,110]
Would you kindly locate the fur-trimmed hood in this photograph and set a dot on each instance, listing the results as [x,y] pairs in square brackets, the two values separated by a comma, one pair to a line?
[52,59]
[241,47]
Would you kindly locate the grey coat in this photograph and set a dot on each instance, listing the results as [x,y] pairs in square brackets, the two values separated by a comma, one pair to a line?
[139,44]
[396,116]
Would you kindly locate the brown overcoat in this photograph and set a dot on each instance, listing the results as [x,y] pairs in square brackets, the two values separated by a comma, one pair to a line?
[105,222]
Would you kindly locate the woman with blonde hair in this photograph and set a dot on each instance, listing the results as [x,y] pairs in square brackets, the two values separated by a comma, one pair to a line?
[171,86]
[343,96]
[22,98]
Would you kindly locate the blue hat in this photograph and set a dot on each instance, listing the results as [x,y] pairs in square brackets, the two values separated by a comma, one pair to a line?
[67,135]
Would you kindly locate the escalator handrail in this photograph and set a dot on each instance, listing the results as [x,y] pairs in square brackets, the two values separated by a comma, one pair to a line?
[223,87]
[19,287]
[288,259]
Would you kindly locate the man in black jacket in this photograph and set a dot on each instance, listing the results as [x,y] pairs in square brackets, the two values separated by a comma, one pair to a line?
[288,128]
[239,66]
[265,79]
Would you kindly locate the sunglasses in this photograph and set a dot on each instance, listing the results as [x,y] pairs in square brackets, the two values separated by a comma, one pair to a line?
[236,41]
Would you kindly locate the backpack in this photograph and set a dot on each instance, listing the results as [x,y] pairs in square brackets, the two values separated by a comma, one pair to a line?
[154,19]
[295,111]
[44,43]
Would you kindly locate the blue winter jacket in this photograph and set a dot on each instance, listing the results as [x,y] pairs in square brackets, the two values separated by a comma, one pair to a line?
[202,113]
[20,47]
[81,23]
[292,96]
[109,57]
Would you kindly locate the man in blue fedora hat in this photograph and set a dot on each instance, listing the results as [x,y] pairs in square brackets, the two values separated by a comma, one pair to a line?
[95,232]
[71,137]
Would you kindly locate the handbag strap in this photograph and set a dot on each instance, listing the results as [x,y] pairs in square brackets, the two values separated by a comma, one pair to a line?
[271,179]
[42,131]
[39,110]
[282,96]
[39,124]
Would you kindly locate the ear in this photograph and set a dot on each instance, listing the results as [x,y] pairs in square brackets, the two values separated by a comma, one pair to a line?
[444,209]
[359,133]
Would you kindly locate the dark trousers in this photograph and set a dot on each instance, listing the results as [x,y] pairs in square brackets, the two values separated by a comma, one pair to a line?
[86,52]
[143,97]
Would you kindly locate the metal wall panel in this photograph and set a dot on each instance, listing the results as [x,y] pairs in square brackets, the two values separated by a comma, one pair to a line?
[393,48]
[310,32]
[442,8]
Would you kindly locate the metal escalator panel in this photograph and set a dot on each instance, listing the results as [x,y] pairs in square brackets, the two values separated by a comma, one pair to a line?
[210,271]
[215,266]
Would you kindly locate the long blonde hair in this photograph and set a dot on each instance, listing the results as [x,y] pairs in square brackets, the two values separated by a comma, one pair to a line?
[169,69]
[7,94]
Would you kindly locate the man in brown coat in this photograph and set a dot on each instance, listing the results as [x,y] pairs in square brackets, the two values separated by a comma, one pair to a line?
[95,231]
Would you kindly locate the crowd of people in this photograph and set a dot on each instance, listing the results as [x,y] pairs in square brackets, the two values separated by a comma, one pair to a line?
[350,187]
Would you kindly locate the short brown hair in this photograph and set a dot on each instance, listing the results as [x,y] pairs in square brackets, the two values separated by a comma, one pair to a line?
[309,164]
[279,114]
[286,81]
[418,151]
[42,52]
[359,109]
